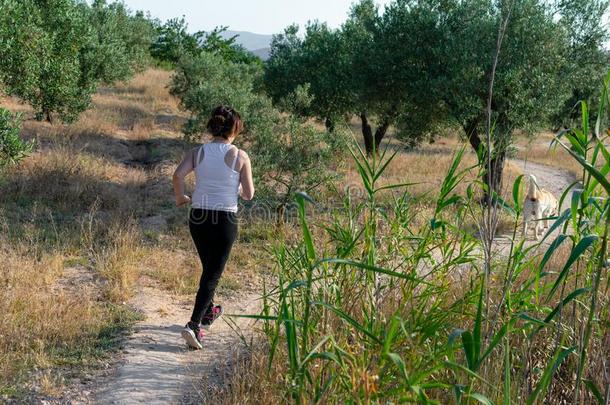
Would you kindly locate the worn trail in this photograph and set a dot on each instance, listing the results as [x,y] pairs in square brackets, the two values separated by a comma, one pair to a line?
[157,367]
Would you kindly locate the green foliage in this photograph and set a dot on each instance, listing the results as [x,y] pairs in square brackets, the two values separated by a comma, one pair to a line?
[173,41]
[121,43]
[59,79]
[320,61]
[12,148]
[206,80]
[294,156]
[425,65]
[298,102]
[227,48]
[56,52]
[542,53]
[588,58]
[23,47]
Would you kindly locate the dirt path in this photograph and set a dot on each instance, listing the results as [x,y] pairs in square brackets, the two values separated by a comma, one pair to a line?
[157,367]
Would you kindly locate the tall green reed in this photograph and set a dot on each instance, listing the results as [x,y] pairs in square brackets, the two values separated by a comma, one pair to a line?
[372,304]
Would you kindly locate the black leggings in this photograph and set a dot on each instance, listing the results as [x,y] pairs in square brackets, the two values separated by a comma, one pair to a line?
[213,233]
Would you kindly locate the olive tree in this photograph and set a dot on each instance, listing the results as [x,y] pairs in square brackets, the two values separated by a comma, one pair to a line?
[120,43]
[344,71]
[227,48]
[321,61]
[51,67]
[173,41]
[582,21]
[532,79]
[56,52]
[24,46]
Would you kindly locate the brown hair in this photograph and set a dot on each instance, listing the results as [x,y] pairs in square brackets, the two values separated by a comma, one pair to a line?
[225,120]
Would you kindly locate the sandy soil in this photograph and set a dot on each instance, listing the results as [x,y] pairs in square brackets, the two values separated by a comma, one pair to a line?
[157,366]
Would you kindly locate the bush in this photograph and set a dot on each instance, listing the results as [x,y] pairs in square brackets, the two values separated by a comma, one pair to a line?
[121,42]
[12,148]
[173,42]
[206,80]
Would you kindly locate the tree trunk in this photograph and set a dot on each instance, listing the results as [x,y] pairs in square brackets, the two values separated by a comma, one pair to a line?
[492,177]
[380,133]
[330,125]
[472,133]
[367,134]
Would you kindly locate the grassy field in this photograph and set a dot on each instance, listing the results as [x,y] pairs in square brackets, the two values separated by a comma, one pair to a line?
[91,211]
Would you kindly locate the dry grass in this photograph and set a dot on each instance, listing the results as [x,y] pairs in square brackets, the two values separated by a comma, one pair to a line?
[118,261]
[427,166]
[37,319]
[248,380]
[149,87]
[538,150]
[69,180]
[70,217]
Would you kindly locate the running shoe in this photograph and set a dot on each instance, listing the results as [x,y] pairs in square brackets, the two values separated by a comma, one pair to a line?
[209,318]
[193,335]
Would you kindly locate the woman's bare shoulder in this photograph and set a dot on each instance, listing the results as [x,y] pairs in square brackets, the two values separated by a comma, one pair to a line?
[243,155]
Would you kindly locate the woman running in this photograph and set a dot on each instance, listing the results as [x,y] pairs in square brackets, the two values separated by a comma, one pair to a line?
[222,173]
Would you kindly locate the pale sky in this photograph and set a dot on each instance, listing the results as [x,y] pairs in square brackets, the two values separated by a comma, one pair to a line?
[258,16]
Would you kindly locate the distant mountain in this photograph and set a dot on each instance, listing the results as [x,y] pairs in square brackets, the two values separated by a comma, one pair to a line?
[262,53]
[259,44]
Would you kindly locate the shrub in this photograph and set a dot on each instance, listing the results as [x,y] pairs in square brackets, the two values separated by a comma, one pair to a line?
[12,148]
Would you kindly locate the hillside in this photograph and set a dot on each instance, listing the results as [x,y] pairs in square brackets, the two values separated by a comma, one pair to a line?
[258,44]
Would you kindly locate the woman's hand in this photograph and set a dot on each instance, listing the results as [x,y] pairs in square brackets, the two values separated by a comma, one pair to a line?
[182,200]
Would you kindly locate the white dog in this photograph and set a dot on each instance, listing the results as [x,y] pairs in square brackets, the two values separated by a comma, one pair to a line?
[538,204]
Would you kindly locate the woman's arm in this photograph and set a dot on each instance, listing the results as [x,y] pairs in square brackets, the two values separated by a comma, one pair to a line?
[184,168]
[246,189]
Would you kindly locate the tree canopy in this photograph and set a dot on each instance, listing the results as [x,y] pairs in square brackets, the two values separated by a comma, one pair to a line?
[56,52]
[423,65]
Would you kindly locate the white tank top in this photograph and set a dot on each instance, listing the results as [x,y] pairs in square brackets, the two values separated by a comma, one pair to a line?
[216,184]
